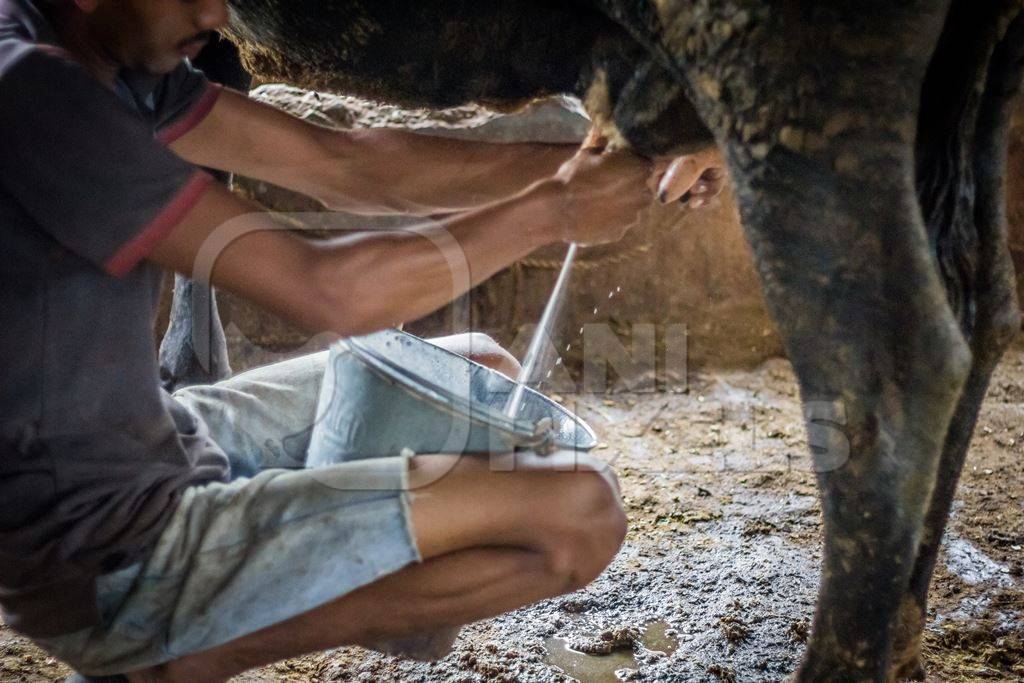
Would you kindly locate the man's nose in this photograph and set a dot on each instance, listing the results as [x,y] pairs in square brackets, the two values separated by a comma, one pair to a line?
[212,15]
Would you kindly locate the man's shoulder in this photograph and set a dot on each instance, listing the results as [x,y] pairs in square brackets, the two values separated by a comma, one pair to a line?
[15,17]
[39,59]
[15,41]
[23,33]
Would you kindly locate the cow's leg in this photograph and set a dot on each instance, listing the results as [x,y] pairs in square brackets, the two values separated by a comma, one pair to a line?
[194,349]
[987,306]
[816,105]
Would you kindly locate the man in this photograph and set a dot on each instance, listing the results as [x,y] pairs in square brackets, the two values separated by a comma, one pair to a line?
[128,542]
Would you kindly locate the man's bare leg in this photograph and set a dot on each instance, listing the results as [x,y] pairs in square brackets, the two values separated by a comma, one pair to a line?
[483,349]
[491,542]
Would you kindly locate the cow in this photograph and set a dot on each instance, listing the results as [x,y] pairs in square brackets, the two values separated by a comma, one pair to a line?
[866,141]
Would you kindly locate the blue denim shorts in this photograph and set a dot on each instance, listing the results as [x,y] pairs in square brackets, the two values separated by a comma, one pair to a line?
[276,541]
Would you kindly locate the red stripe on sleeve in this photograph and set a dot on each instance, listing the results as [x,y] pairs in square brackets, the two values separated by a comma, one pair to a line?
[192,118]
[54,51]
[139,247]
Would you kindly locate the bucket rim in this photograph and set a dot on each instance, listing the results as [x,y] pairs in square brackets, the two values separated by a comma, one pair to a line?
[483,415]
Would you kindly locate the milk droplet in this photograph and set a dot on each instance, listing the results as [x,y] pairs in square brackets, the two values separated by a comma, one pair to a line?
[558,362]
[618,289]
[611,294]
[595,310]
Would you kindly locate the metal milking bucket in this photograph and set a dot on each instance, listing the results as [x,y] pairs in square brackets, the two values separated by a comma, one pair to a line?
[390,392]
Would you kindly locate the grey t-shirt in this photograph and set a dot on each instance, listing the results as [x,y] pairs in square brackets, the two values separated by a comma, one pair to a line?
[93,454]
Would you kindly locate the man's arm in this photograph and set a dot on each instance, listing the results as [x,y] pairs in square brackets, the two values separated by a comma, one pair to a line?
[365,282]
[379,171]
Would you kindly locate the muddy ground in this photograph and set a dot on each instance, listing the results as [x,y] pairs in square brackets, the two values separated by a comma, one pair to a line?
[716,581]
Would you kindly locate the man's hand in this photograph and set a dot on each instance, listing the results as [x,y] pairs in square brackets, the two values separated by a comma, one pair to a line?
[694,179]
[597,197]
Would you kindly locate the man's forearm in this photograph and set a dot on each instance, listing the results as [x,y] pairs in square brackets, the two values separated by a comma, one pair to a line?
[374,281]
[354,283]
[390,170]
[379,171]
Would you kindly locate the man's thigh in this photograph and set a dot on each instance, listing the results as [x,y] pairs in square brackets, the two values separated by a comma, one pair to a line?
[262,418]
[238,557]
[459,502]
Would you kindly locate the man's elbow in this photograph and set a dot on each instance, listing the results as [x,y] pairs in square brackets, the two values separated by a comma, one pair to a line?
[337,298]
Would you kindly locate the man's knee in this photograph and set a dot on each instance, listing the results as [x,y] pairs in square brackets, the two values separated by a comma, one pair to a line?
[482,349]
[591,528]
[485,351]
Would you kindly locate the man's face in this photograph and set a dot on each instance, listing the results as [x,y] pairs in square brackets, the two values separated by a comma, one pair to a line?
[155,35]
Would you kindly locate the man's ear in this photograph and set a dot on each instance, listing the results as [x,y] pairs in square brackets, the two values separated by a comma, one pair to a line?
[87,6]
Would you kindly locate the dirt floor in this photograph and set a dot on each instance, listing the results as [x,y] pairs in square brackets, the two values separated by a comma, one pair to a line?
[716,581]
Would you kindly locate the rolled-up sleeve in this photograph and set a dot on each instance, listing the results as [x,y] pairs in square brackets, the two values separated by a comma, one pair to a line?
[85,167]
[183,100]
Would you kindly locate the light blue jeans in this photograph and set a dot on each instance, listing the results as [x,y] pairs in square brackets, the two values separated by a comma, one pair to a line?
[277,541]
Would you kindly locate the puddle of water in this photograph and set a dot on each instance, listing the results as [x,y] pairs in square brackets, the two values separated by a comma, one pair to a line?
[587,668]
[655,638]
[605,668]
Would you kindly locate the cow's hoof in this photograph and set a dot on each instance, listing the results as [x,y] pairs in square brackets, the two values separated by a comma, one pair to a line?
[907,668]
[905,661]
[831,668]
